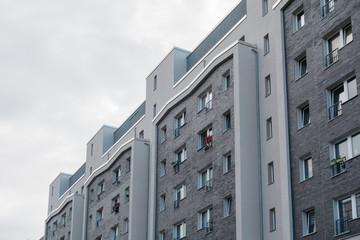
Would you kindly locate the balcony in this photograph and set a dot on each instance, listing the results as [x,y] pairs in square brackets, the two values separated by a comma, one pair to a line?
[327,8]
[176,203]
[208,106]
[335,110]
[209,227]
[342,226]
[332,57]
[337,166]
[208,185]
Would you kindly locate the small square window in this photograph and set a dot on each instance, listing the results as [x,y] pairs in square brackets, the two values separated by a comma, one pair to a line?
[269,131]
[309,222]
[306,170]
[267,85]
[266,44]
[271,175]
[272,216]
[303,114]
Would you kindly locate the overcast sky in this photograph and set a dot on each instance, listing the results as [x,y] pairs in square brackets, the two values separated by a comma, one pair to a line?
[68,67]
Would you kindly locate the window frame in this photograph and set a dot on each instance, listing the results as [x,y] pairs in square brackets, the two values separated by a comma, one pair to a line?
[267,85]
[266,44]
[272,219]
[205,101]
[269,129]
[227,163]
[301,115]
[228,205]
[271,173]
[307,226]
[306,168]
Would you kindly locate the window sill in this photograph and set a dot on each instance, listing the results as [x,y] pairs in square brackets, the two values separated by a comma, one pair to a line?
[302,127]
[227,172]
[269,184]
[297,30]
[301,181]
[224,131]
[341,234]
[300,77]
[266,53]
[268,94]
[338,174]
[308,234]
[269,138]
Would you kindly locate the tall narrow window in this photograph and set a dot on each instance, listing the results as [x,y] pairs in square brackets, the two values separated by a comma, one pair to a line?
[155,82]
[163,168]
[303,114]
[298,19]
[226,163]
[205,101]
[271,176]
[306,169]
[265,6]
[162,202]
[92,149]
[154,110]
[127,194]
[128,164]
[300,66]
[179,231]
[266,44]
[269,131]
[114,233]
[327,6]
[227,206]
[179,121]
[163,134]
[205,220]
[272,216]
[205,139]
[141,134]
[126,225]
[309,223]
[267,85]
[226,121]
[205,179]
[226,81]
[116,175]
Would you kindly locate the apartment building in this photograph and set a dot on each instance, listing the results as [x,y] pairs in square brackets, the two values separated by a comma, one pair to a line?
[322,64]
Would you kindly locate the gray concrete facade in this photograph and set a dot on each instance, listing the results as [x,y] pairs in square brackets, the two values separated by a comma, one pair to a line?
[329,191]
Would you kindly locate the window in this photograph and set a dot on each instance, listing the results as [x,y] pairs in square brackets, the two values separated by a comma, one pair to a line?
[226,121]
[205,179]
[90,222]
[90,170]
[266,44]
[298,19]
[180,156]
[336,42]
[99,216]
[269,133]
[163,134]
[265,6]
[271,176]
[272,216]
[303,115]
[128,164]
[346,209]
[205,139]
[205,220]
[162,235]
[63,220]
[267,85]
[180,121]
[179,194]
[52,191]
[127,194]
[348,147]
[300,66]
[309,223]
[62,238]
[339,95]
[155,82]
[205,101]
[179,231]
[163,168]
[227,206]
[226,163]
[92,149]
[226,81]
[54,226]
[114,233]
[115,203]
[141,134]
[101,189]
[70,213]
[306,171]
[126,225]
[162,202]
[116,175]
[327,6]
[154,110]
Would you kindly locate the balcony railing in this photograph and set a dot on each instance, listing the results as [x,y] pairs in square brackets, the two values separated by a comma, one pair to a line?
[176,132]
[209,227]
[335,110]
[208,106]
[332,57]
[327,8]
[176,203]
[338,166]
[208,185]
[342,225]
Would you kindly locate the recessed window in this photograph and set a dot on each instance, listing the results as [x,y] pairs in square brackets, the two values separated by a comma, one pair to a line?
[269,131]
[179,194]
[271,176]
[348,147]
[90,221]
[128,164]
[162,202]
[226,163]
[226,81]
[141,134]
[116,175]
[265,7]
[205,220]
[300,66]
[205,179]
[205,139]
[63,220]
[327,6]
[337,41]
[154,110]
[179,121]
[180,156]
[339,95]
[267,85]
[155,82]
[309,222]
[205,101]
[115,203]
[298,19]
[163,134]
[101,188]
[92,149]
[126,226]
[266,44]
[163,168]
[127,194]
[303,115]
[99,216]
[306,170]
[162,235]
[99,238]
[272,215]
[346,209]
[114,232]
[179,231]
[227,206]
[226,119]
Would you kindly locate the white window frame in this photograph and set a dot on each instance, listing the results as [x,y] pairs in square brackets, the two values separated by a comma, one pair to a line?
[180,156]
[306,169]
[181,232]
[301,116]
[114,232]
[162,235]
[163,168]
[99,215]
[202,137]
[306,217]
[329,5]
[299,65]
[226,163]
[163,134]
[226,81]
[349,147]
[180,192]
[162,202]
[116,175]
[63,220]
[298,19]
[226,119]
[207,215]
[126,226]
[205,101]
[205,176]
[101,187]
[227,202]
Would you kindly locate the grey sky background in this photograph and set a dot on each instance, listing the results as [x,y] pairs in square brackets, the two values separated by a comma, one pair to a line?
[67,68]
